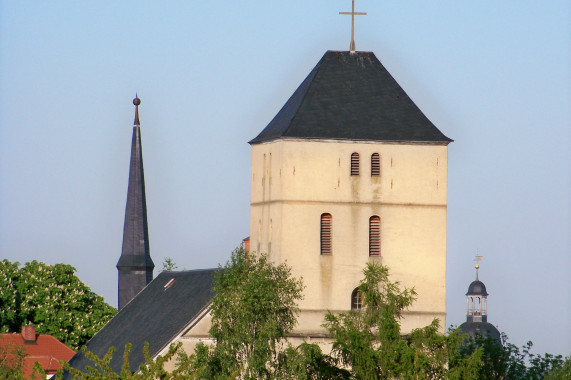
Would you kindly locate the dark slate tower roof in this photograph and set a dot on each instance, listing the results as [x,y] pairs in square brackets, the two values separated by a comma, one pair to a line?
[157,315]
[484,329]
[477,288]
[135,264]
[351,96]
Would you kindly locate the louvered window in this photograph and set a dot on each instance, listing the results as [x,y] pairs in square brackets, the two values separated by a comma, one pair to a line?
[325,234]
[375,165]
[374,236]
[356,300]
[355,164]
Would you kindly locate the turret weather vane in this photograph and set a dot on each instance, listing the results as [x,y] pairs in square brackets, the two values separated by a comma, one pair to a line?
[477,259]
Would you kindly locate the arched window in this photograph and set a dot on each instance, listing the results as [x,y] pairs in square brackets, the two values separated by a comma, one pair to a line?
[375,165]
[326,234]
[374,236]
[355,163]
[356,300]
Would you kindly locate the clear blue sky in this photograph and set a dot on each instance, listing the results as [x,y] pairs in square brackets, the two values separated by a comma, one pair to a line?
[493,75]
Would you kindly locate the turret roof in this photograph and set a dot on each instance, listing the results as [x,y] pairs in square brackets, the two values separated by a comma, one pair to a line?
[485,329]
[477,288]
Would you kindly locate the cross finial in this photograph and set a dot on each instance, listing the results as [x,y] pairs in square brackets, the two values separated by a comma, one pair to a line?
[353,13]
[136,102]
[477,259]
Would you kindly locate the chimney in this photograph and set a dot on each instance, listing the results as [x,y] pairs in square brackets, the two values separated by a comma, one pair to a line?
[246,243]
[29,334]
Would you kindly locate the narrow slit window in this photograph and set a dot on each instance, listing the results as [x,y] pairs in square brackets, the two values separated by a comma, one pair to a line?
[326,234]
[374,236]
[356,300]
[375,165]
[355,164]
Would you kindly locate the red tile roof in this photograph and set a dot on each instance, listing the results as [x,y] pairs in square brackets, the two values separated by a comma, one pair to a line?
[46,350]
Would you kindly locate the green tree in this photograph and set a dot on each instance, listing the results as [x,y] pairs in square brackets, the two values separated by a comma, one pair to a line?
[507,361]
[254,308]
[370,343]
[151,369]
[9,299]
[562,372]
[169,264]
[52,298]
[308,362]
[12,361]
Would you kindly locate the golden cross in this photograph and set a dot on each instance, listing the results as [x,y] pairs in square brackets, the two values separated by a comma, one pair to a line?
[353,13]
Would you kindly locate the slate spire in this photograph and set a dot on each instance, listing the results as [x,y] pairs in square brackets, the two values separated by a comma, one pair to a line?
[135,265]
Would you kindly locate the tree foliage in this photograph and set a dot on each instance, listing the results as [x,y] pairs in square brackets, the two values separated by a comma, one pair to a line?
[370,343]
[52,298]
[305,362]
[308,362]
[13,364]
[169,264]
[254,308]
[151,369]
[507,361]
[12,361]
[562,372]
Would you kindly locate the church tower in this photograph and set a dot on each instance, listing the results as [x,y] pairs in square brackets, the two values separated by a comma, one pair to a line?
[350,171]
[135,265]
[477,311]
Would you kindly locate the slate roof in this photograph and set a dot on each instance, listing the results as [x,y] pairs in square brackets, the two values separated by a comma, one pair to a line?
[477,288]
[135,264]
[351,96]
[135,252]
[45,349]
[156,315]
[485,329]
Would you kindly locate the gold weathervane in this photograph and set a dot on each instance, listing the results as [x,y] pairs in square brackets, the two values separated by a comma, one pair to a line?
[353,13]
[477,259]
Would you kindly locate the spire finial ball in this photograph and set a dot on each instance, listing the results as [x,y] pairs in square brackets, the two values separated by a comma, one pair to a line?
[477,266]
[136,101]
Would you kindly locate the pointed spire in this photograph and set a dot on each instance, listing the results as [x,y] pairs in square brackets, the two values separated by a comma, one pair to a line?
[135,265]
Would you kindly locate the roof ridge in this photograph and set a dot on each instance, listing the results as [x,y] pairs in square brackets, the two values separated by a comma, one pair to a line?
[186,271]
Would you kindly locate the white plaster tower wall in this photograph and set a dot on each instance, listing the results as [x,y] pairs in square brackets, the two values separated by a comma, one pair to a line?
[294,181]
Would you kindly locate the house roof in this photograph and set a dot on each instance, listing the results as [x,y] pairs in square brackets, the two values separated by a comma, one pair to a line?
[157,315]
[46,349]
[351,96]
